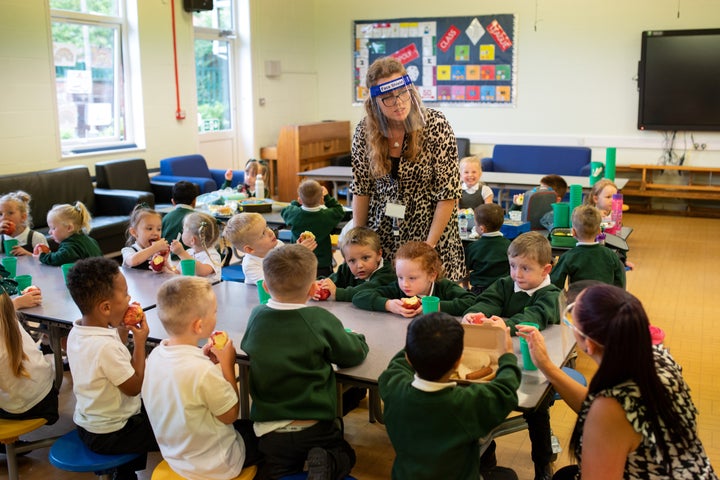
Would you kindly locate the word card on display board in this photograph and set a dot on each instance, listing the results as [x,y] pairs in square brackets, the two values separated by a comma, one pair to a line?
[451,60]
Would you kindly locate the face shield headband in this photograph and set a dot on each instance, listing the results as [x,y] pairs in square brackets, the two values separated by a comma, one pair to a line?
[396,95]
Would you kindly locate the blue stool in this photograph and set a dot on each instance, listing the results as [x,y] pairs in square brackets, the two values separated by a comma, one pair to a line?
[303,476]
[575,375]
[69,453]
[233,273]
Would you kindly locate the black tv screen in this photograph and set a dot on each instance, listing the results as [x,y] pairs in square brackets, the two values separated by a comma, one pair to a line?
[679,80]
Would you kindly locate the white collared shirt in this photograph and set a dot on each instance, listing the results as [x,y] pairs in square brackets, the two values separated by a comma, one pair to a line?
[471,190]
[530,292]
[428,386]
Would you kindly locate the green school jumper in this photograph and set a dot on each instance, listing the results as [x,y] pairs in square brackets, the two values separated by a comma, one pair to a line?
[73,248]
[589,262]
[347,285]
[453,298]
[486,260]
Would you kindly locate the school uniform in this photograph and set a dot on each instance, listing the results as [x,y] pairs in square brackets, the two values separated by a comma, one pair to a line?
[27,240]
[72,249]
[172,222]
[211,257]
[252,266]
[486,260]
[128,252]
[588,261]
[454,299]
[474,196]
[348,285]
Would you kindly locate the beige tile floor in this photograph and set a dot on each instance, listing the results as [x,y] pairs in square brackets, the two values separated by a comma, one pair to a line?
[677,278]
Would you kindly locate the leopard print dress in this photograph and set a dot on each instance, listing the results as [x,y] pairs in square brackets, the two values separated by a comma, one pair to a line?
[646,461]
[419,186]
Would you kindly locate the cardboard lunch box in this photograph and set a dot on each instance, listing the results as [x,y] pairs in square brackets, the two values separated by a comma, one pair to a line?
[483,343]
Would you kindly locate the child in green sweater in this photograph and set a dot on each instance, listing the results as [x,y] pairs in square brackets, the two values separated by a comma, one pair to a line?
[588,260]
[435,425]
[486,258]
[318,212]
[292,349]
[419,273]
[69,227]
[363,268]
[527,296]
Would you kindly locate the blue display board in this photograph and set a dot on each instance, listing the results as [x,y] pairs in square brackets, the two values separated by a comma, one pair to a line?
[452,60]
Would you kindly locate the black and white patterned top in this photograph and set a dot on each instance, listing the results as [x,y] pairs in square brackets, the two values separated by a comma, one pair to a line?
[647,461]
[417,185]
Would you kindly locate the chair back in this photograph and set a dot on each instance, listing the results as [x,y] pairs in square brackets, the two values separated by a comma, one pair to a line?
[130,174]
[463,147]
[535,206]
[185,166]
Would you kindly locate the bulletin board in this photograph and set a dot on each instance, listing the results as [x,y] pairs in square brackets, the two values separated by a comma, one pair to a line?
[467,60]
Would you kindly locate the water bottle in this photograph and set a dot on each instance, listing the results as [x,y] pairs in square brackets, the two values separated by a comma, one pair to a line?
[259,188]
[463,224]
[616,213]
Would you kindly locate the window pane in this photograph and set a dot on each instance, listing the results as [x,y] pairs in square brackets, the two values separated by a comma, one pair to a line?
[87,70]
[102,7]
[213,85]
[219,18]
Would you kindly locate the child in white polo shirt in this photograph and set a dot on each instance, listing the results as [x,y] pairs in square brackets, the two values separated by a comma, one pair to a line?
[106,376]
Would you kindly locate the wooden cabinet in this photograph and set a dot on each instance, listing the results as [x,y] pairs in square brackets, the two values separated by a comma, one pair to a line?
[306,147]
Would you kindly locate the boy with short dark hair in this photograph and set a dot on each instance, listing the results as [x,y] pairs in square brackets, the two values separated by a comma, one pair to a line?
[292,383]
[318,212]
[527,296]
[588,260]
[106,377]
[433,424]
[486,258]
[190,393]
[184,194]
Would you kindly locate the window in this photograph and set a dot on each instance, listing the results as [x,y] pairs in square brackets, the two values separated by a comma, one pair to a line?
[89,46]
[214,35]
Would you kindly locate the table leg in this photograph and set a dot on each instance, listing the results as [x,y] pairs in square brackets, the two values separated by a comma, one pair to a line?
[244,384]
[55,333]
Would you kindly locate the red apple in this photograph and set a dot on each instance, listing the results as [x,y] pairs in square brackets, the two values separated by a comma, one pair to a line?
[323,294]
[157,262]
[134,314]
[476,318]
[219,339]
[9,228]
[41,248]
[29,289]
[411,303]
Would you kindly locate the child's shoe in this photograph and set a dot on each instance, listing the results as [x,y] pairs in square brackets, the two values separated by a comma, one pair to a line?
[319,464]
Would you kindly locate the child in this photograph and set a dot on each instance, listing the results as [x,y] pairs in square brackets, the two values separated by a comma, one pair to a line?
[183,198]
[15,212]
[190,393]
[318,212]
[474,192]
[26,377]
[200,233]
[363,268]
[253,168]
[419,273]
[292,349]
[249,233]
[69,226]
[600,196]
[435,425]
[106,376]
[486,258]
[144,239]
[588,260]
[527,296]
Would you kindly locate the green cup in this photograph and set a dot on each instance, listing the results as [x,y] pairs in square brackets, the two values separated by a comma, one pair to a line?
[187,266]
[430,304]
[263,294]
[23,282]
[10,264]
[65,269]
[561,215]
[525,351]
[9,244]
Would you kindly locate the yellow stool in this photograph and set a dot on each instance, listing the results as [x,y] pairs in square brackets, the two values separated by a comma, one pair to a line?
[10,431]
[164,472]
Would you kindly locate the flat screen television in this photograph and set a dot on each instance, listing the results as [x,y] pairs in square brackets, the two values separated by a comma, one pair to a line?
[679,80]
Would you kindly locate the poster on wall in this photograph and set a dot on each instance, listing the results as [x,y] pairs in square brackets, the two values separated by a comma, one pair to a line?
[467,60]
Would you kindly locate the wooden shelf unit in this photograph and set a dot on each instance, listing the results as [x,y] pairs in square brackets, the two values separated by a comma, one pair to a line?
[307,147]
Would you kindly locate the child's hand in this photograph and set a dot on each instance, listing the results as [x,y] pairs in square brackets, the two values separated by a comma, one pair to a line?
[159,246]
[328,284]
[33,298]
[228,174]
[308,243]
[474,318]
[19,251]
[396,306]
[324,191]
[536,344]
[224,356]
[177,248]
[141,331]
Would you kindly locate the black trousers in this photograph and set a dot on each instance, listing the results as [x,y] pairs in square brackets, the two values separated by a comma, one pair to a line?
[47,408]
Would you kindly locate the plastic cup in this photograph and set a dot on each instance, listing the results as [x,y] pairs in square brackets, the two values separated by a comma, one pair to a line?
[65,269]
[610,163]
[23,281]
[187,266]
[8,245]
[263,294]
[561,215]
[525,351]
[596,172]
[575,196]
[10,264]
[430,304]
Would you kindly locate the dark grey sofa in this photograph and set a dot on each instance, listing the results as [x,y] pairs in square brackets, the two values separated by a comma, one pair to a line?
[110,209]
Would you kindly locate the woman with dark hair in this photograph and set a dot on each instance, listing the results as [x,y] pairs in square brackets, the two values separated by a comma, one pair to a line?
[636,419]
[406,179]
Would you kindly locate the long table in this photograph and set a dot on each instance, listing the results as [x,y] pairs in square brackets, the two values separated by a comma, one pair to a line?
[336,175]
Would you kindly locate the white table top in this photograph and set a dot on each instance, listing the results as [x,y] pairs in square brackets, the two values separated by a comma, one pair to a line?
[337,174]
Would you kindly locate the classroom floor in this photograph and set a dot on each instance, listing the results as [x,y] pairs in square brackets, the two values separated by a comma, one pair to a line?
[677,279]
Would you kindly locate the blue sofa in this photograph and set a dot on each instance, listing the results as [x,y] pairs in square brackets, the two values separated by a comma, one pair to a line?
[540,159]
[194,168]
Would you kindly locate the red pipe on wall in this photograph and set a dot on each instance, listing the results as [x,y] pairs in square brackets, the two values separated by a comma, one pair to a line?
[179,113]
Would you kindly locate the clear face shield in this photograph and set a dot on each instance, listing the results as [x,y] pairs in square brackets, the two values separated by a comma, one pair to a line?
[397,103]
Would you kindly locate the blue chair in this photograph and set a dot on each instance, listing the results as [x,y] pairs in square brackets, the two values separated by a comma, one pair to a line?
[233,273]
[575,375]
[194,168]
[69,453]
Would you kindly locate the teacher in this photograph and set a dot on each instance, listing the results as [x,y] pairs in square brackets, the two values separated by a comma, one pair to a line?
[406,179]
[636,419]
